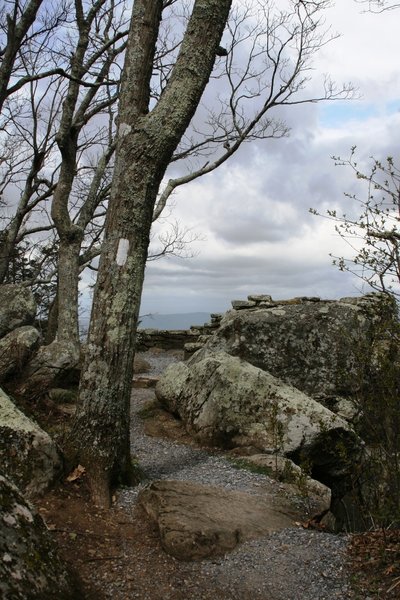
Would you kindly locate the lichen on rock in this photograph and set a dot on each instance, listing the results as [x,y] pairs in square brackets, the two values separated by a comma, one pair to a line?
[226,401]
[18,307]
[28,455]
[30,568]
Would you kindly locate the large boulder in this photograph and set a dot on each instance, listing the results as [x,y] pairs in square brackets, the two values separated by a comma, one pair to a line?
[30,568]
[15,350]
[55,365]
[320,347]
[226,401]
[28,455]
[17,307]
[199,521]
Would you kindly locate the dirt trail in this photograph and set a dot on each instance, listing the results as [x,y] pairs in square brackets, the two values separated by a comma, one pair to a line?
[118,554]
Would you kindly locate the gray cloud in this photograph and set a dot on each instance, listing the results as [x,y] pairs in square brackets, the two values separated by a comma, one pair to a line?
[254,210]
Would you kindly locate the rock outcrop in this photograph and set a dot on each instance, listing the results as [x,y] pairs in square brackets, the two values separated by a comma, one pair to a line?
[28,456]
[55,365]
[200,521]
[18,307]
[226,401]
[15,350]
[321,347]
[164,339]
[18,339]
[30,567]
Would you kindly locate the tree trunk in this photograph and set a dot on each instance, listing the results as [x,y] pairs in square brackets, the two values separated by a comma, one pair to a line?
[52,320]
[101,428]
[6,248]
[67,290]
[100,435]
[71,238]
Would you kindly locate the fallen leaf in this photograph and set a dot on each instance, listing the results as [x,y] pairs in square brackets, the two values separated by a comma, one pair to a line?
[391,569]
[76,473]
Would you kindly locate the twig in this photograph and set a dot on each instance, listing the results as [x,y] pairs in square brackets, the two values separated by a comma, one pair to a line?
[392,587]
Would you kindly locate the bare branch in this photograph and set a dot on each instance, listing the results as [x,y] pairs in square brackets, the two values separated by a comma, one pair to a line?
[379,6]
[373,235]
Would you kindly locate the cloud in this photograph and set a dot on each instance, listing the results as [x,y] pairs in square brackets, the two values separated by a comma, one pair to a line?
[260,236]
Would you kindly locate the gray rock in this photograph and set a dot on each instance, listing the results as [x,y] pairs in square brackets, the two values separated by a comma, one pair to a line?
[30,568]
[266,304]
[55,365]
[28,455]
[260,298]
[295,479]
[308,298]
[17,307]
[216,316]
[199,521]
[193,347]
[242,304]
[226,401]
[319,347]
[16,348]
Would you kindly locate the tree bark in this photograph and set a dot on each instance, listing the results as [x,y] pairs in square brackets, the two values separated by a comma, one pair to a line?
[73,118]
[100,435]
[16,32]
[52,320]
[71,238]
[67,290]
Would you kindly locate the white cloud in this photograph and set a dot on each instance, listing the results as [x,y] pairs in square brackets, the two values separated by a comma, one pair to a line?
[254,210]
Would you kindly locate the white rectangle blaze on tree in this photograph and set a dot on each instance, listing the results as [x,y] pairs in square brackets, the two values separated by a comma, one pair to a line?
[122,252]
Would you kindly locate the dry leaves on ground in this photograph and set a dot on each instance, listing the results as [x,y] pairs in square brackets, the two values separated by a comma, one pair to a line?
[375,557]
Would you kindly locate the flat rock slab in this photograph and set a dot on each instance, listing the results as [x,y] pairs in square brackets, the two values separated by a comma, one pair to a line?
[200,521]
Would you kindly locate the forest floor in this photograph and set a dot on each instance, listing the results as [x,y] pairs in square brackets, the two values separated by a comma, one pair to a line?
[117,553]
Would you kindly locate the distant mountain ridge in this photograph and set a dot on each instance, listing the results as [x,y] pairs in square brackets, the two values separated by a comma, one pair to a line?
[173,321]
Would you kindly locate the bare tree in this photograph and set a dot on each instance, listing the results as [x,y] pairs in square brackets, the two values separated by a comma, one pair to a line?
[379,6]
[93,89]
[150,129]
[100,39]
[72,75]
[24,24]
[17,23]
[59,113]
[373,234]
[26,181]
[173,240]
[146,143]
[266,65]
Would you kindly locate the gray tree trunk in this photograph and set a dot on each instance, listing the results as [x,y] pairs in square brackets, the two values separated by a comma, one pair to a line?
[100,435]
[70,242]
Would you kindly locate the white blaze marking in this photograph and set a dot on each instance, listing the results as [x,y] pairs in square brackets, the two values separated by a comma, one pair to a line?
[122,252]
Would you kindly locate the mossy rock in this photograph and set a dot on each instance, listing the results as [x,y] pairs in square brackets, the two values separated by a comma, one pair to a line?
[31,568]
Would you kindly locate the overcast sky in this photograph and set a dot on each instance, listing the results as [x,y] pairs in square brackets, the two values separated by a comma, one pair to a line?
[253,212]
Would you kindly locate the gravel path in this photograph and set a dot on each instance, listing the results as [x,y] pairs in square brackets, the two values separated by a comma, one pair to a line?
[294,564]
